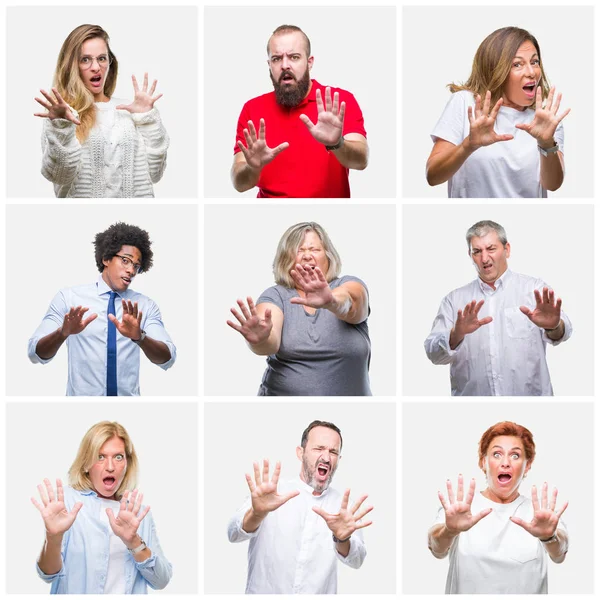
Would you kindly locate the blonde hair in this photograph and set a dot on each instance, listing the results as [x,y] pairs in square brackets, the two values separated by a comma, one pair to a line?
[285,257]
[68,81]
[88,452]
[493,62]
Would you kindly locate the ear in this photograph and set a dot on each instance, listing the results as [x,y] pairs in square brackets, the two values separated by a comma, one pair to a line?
[507,249]
[311,60]
[299,452]
[105,262]
[527,468]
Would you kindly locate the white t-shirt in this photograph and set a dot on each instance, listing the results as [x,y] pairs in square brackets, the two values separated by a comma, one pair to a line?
[115,576]
[502,170]
[496,556]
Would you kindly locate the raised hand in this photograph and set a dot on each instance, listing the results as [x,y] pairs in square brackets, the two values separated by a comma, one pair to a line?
[143,100]
[263,492]
[57,519]
[130,326]
[482,131]
[467,321]
[330,119]
[312,282]
[546,118]
[458,511]
[346,522]
[254,329]
[546,313]
[256,152]
[127,522]
[545,519]
[56,106]
[74,323]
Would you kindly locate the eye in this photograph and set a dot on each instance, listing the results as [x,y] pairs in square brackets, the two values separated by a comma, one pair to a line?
[536,61]
[517,65]
[100,456]
[119,457]
[85,60]
[515,455]
[496,455]
[102,59]
[275,59]
[295,57]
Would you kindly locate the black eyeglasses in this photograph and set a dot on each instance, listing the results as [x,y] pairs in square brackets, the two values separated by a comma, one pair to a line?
[128,262]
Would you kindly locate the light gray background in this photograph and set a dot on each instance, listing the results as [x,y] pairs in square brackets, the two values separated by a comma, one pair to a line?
[445,439]
[439,44]
[49,247]
[236,435]
[354,49]
[143,41]
[42,441]
[239,247]
[554,243]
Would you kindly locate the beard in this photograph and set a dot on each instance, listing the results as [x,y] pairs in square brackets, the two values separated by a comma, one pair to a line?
[309,475]
[291,95]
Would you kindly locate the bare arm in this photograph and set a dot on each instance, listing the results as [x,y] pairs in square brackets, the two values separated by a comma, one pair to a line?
[552,170]
[260,325]
[243,176]
[354,152]
[157,352]
[351,302]
[440,539]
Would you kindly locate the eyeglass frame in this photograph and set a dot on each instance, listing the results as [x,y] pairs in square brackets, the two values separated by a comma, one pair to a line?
[95,58]
[126,260]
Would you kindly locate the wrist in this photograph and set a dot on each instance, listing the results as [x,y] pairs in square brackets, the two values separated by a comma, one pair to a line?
[546,144]
[337,145]
[259,516]
[54,539]
[550,540]
[133,542]
[62,334]
[552,329]
[468,146]
[449,533]
[340,541]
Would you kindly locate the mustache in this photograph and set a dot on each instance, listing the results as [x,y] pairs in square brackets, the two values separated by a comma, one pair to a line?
[287,73]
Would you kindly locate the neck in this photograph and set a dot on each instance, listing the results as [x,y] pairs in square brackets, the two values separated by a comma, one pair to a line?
[508,104]
[101,97]
[490,495]
[302,477]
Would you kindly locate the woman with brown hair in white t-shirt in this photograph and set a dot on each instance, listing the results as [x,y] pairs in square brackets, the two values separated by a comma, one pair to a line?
[497,138]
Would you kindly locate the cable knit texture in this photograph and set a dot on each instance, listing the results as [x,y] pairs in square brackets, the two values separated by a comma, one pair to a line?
[123,156]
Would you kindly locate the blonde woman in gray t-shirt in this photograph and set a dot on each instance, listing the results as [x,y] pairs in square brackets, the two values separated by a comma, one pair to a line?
[312,325]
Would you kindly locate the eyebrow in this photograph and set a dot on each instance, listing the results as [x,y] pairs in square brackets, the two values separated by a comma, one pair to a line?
[523,58]
[515,448]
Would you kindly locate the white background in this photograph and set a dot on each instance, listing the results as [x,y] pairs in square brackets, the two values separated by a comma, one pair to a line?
[563,436]
[347,54]
[554,243]
[445,54]
[41,260]
[165,437]
[240,265]
[141,43]
[236,435]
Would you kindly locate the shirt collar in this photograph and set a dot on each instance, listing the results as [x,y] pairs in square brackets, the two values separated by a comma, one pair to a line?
[500,283]
[312,95]
[307,488]
[103,288]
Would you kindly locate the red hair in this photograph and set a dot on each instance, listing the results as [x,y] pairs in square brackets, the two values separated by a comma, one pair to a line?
[507,428]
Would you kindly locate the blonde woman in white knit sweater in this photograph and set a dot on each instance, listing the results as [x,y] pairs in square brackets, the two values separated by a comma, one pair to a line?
[94,145]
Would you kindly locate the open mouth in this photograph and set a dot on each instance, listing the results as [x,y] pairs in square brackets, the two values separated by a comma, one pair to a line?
[287,77]
[323,470]
[96,80]
[504,477]
[109,482]
[529,89]
[126,280]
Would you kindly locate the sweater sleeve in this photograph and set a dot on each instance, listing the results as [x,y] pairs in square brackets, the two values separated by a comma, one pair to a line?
[156,141]
[61,150]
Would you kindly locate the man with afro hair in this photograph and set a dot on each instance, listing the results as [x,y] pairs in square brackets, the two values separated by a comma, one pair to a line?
[105,323]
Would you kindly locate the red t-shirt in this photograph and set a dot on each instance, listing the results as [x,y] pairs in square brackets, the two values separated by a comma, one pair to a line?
[305,169]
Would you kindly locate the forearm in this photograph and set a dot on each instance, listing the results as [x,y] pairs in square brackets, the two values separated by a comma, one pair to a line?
[551,171]
[557,550]
[343,548]
[145,554]
[456,337]
[440,540]
[353,154]
[347,308]
[557,333]
[252,521]
[243,176]
[50,560]
[444,164]
[49,345]
[157,352]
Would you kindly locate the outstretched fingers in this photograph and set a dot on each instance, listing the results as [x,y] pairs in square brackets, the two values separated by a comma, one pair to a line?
[481,515]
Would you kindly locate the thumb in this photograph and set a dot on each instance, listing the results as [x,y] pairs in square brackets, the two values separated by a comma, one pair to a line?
[505,137]
[481,515]
[268,315]
[111,517]
[526,311]
[122,107]
[521,523]
[307,122]
[76,509]
[319,511]
[113,319]
[523,126]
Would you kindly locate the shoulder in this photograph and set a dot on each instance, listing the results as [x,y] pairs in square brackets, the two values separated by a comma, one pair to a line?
[346,279]
[344,94]
[468,288]
[526,281]
[461,100]
[260,101]
[278,290]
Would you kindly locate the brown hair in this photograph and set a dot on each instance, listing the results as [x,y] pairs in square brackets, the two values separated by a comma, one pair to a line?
[493,62]
[507,428]
[68,81]
[304,439]
[289,29]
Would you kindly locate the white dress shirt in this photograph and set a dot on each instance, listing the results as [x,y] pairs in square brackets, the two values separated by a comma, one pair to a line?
[506,357]
[87,350]
[292,551]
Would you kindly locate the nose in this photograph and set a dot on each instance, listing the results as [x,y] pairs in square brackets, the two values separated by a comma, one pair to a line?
[285,62]
[530,70]
[110,465]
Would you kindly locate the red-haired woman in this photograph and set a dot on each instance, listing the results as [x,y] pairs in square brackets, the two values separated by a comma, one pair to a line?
[498,540]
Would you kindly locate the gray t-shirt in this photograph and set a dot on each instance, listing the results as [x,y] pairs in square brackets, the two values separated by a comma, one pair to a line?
[319,355]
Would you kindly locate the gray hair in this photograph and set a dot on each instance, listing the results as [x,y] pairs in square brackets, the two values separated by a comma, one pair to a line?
[482,228]
[285,257]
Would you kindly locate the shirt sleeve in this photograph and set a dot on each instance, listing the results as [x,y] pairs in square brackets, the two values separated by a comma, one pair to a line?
[53,319]
[451,125]
[156,570]
[437,344]
[154,328]
[273,296]
[241,125]
[61,151]
[357,553]
[353,117]
[235,532]
[568,326]
[156,141]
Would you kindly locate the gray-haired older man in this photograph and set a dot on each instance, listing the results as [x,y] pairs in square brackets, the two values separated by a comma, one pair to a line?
[493,331]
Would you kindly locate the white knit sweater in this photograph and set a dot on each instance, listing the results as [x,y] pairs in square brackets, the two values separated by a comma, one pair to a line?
[123,156]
